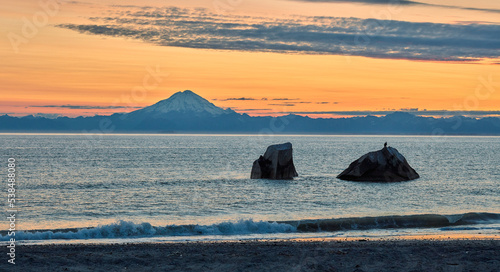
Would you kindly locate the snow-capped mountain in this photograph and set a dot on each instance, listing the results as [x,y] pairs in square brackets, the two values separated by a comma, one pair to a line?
[185,103]
[186,112]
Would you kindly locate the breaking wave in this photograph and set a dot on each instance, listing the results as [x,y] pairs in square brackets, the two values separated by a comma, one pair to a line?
[124,229]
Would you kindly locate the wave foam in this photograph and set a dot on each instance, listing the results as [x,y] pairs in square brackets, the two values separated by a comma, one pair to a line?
[125,229]
[394,222]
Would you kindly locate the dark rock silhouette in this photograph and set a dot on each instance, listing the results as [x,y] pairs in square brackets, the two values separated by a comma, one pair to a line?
[277,163]
[385,165]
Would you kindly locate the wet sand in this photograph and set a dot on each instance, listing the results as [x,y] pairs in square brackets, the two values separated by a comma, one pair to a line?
[289,255]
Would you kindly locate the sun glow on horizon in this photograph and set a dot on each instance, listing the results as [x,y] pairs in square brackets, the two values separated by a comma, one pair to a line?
[63,72]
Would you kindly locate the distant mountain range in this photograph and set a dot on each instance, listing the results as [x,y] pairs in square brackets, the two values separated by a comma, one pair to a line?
[187,112]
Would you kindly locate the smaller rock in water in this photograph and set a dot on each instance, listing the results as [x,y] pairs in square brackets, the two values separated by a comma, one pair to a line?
[277,163]
[385,165]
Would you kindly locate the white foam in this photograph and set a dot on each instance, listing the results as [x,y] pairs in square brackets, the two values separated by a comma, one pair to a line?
[124,229]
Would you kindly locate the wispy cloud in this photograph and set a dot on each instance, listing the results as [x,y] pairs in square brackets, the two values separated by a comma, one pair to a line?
[84,107]
[239,99]
[237,109]
[283,104]
[199,28]
[415,112]
[373,2]
[400,2]
[325,102]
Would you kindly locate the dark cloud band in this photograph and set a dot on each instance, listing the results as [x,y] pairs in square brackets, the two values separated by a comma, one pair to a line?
[78,107]
[239,99]
[199,28]
[399,2]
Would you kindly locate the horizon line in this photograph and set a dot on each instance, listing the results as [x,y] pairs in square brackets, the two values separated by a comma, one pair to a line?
[341,114]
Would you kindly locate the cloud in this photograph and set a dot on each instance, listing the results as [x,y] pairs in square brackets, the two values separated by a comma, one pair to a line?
[78,107]
[476,9]
[372,2]
[239,99]
[475,22]
[237,109]
[77,3]
[324,102]
[400,2]
[386,39]
[283,104]
[412,111]
[264,99]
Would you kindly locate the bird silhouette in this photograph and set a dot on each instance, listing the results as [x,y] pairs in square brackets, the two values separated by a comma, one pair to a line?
[385,145]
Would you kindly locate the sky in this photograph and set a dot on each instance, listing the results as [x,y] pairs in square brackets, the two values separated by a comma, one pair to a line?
[320,58]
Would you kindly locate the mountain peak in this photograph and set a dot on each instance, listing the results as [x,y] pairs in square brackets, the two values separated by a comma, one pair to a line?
[184,93]
[186,102]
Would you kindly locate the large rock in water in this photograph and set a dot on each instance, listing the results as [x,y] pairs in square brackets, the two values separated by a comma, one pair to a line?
[277,163]
[385,165]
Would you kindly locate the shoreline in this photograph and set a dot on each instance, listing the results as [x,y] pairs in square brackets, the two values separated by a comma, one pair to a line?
[424,254]
[481,224]
[244,238]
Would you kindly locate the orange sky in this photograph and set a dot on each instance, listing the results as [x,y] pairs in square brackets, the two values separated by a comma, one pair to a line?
[61,67]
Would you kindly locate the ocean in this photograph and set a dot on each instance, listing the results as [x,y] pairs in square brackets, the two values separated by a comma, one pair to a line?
[75,188]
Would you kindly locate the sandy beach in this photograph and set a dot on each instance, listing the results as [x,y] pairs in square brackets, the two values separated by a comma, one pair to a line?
[293,255]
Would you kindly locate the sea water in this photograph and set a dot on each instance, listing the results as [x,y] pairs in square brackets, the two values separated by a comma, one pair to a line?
[184,187]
